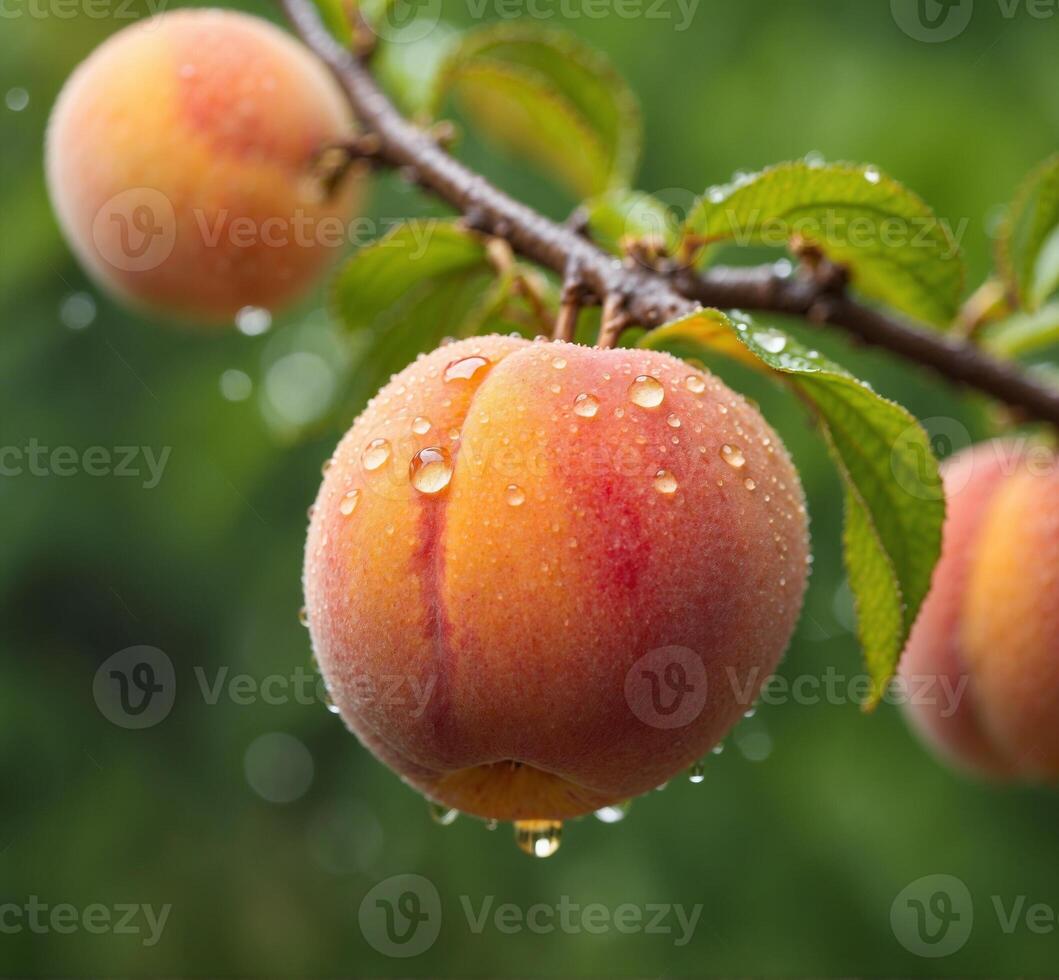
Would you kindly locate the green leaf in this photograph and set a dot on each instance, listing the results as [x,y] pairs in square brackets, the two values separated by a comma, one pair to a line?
[546,97]
[1028,243]
[335,18]
[622,214]
[1024,333]
[894,501]
[425,280]
[895,247]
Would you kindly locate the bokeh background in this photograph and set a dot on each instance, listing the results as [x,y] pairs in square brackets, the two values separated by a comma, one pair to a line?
[263,825]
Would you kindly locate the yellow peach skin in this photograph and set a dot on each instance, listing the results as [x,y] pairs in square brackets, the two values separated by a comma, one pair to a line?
[543,578]
[990,625]
[177,160]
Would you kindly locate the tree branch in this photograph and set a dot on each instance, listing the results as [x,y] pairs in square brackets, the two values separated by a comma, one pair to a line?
[643,296]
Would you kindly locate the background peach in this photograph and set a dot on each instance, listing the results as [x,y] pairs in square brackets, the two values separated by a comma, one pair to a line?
[177,159]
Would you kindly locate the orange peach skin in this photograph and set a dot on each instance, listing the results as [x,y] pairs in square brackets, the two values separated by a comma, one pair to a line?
[177,158]
[990,625]
[521,595]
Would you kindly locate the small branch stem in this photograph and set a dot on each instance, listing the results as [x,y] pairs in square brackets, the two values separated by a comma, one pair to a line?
[634,294]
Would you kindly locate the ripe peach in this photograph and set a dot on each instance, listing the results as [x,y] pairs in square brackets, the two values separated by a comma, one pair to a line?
[542,578]
[989,628]
[177,158]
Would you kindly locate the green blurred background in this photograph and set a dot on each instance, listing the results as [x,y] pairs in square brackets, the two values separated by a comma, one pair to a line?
[804,830]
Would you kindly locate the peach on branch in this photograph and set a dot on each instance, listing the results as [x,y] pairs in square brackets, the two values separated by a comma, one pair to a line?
[178,160]
[543,578]
[989,628]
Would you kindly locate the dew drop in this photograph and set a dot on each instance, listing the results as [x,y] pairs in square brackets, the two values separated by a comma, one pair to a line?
[733,456]
[420,425]
[443,815]
[539,838]
[872,175]
[613,814]
[673,421]
[430,470]
[349,503]
[586,405]
[695,384]
[559,363]
[252,321]
[375,454]
[515,495]
[647,392]
[665,482]
[303,616]
[465,368]
[697,773]
[749,484]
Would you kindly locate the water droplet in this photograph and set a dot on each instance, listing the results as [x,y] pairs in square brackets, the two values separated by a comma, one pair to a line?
[375,454]
[16,99]
[515,495]
[872,175]
[673,421]
[430,470]
[349,502]
[443,815]
[771,340]
[420,425]
[559,363]
[750,712]
[77,311]
[465,368]
[492,824]
[697,773]
[303,616]
[613,814]
[539,838]
[695,384]
[253,321]
[749,484]
[647,392]
[236,386]
[733,456]
[332,707]
[586,405]
[326,465]
[718,748]
[665,482]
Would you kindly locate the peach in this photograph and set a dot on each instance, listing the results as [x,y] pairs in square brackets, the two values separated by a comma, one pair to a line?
[177,158]
[543,578]
[982,662]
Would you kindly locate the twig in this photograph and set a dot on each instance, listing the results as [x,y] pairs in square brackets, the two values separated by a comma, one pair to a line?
[647,297]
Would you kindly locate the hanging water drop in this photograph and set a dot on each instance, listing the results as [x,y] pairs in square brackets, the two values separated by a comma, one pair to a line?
[697,773]
[443,815]
[613,814]
[539,838]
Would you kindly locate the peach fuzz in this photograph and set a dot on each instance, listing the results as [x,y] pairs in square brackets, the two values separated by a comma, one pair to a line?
[583,525]
[177,157]
[990,625]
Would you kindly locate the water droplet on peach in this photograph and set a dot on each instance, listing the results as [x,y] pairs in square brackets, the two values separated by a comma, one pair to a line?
[465,368]
[430,470]
[586,405]
[665,482]
[375,454]
[646,391]
[733,456]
